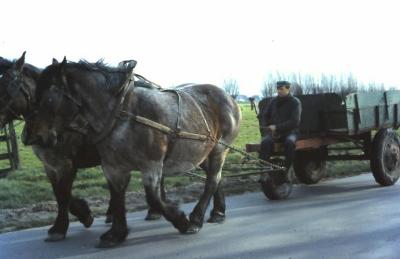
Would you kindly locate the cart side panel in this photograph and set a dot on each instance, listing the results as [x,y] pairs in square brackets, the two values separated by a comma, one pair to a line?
[374,110]
[393,102]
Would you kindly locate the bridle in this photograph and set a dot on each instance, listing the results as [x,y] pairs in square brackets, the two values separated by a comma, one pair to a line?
[77,118]
[16,82]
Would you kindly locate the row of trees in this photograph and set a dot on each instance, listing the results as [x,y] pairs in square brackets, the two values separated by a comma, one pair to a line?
[325,83]
[309,84]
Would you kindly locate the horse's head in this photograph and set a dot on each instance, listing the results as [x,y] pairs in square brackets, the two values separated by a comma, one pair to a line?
[14,96]
[64,87]
[57,107]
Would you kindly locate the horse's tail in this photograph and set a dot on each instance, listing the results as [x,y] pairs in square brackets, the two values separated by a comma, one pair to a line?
[231,119]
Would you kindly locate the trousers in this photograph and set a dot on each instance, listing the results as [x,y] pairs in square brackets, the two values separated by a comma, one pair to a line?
[289,142]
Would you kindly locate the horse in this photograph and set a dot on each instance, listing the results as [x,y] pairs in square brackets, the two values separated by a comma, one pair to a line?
[18,100]
[145,129]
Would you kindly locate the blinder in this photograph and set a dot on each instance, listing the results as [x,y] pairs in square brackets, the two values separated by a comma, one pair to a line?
[77,122]
[14,86]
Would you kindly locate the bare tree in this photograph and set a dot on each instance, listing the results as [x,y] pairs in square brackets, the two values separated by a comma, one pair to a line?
[325,83]
[231,87]
[268,89]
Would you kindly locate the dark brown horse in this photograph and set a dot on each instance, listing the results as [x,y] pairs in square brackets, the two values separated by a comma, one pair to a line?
[138,128]
[18,89]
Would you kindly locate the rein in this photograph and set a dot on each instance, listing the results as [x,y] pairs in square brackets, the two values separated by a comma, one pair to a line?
[169,131]
[194,136]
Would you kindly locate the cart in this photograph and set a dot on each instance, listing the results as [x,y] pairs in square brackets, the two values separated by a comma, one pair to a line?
[365,121]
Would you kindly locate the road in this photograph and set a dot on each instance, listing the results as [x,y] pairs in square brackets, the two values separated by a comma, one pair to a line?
[344,218]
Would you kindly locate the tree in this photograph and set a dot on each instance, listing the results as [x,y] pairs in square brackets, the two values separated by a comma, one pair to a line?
[231,87]
[343,84]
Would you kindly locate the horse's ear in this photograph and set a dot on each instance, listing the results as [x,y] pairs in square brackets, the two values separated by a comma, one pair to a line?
[19,64]
[55,61]
[63,73]
[64,61]
[62,66]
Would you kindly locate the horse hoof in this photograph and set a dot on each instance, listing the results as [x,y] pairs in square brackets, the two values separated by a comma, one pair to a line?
[107,244]
[152,216]
[108,219]
[192,229]
[54,237]
[88,222]
[216,219]
[112,238]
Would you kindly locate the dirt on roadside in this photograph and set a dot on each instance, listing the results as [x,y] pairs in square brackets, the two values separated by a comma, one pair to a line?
[44,213]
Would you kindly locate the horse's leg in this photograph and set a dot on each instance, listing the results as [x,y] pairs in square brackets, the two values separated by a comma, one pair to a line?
[216,161]
[152,185]
[217,214]
[61,182]
[80,209]
[109,217]
[153,213]
[118,181]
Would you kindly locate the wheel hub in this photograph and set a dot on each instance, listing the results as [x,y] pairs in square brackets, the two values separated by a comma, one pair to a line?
[392,155]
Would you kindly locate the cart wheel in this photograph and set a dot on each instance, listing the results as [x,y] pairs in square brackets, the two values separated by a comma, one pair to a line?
[385,157]
[310,166]
[277,186]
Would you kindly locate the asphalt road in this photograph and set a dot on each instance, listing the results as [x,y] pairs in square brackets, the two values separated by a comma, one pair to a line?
[345,218]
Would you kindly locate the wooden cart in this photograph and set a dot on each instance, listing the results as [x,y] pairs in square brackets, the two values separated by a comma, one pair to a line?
[366,121]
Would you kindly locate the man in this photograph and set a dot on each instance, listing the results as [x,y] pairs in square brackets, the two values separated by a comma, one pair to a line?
[282,119]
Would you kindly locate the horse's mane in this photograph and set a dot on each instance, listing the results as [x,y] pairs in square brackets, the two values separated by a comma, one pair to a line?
[100,66]
[32,71]
[114,76]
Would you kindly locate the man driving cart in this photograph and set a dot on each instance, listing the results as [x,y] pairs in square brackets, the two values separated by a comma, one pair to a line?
[282,119]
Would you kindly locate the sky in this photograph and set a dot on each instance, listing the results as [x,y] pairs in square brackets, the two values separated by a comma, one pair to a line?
[210,41]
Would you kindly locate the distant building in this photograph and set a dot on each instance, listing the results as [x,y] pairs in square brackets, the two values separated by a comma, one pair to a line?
[242,98]
[257,98]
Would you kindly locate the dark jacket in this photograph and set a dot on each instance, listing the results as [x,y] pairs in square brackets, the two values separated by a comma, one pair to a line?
[284,113]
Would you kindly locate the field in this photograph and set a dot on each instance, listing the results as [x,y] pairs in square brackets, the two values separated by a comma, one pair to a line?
[29,184]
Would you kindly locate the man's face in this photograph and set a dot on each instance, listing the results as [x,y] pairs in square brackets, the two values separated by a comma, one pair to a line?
[283,91]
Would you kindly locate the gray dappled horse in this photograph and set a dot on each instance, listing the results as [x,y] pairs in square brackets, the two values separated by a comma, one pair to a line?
[18,95]
[131,124]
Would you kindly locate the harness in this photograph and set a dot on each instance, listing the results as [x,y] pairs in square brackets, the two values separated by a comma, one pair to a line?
[122,94]
[177,131]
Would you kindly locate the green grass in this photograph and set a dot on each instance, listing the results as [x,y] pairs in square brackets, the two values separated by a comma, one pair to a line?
[29,184]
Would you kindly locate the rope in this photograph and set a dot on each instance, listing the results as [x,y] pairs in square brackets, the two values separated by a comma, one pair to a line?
[248,155]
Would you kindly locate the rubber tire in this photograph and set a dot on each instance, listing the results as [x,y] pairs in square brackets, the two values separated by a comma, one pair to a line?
[310,166]
[384,171]
[277,186]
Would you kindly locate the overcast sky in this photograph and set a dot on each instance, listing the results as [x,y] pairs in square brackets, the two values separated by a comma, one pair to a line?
[209,41]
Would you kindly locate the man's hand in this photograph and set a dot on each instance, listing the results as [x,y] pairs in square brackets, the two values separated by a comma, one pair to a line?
[271,128]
